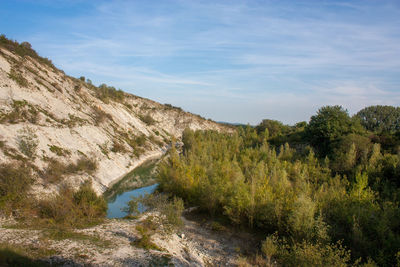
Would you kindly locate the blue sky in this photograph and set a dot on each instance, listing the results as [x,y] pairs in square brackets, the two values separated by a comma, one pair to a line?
[236,61]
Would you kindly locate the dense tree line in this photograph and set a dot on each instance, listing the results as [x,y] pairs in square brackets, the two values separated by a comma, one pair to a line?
[324,193]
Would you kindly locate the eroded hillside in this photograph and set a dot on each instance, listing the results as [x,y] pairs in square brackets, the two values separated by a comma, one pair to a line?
[70,130]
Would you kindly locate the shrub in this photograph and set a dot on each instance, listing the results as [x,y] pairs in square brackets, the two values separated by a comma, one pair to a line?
[146,230]
[18,78]
[104,148]
[90,205]
[56,170]
[72,208]
[59,151]
[15,181]
[170,210]
[27,142]
[148,119]
[105,93]
[305,253]
[100,115]
[22,111]
[118,147]
[83,164]
[24,49]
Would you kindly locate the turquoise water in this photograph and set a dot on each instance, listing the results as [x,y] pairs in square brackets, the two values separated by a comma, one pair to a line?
[114,207]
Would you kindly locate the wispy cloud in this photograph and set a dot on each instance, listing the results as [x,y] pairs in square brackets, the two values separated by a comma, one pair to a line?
[232,61]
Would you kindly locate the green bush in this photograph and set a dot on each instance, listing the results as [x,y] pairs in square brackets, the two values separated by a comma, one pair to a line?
[56,170]
[84,164]
[27,142]
[22,111]
[146,229]
[59,151]
[15,182]
[71,208]
[296,194]
[170,210]
[118,147]
[148,119]
[24,49]
[105,93]
[304,253]
[100,115]
[18,78]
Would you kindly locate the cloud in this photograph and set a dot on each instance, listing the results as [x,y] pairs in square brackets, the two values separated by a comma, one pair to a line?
[234,61]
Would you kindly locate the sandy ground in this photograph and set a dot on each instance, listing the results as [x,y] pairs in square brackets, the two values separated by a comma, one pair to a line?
[194,245]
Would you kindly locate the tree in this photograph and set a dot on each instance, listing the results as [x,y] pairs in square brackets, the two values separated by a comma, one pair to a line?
[380,118]
[330,123]
[274,127]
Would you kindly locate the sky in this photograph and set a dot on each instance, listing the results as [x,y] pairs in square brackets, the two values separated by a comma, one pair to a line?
[232,61]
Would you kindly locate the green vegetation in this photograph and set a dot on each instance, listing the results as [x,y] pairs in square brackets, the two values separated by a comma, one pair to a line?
[169,107]
[15,181]
[63,234]
[140,176]
[24,49]
[105,93]
[330,124]
[380,118]
[146,229]
[72,208]
[21,111]
[27,142]
[169,210]
[56,170]
[14,255]
[135,142]
[118,147]
[100,115]
[167,216]
[148,119]
[336,207]
[18,78]
[59,151]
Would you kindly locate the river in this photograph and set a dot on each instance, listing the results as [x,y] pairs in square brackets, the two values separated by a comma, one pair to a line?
[138,182]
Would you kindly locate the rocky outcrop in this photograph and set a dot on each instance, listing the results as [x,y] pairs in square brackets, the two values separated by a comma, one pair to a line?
[52,120]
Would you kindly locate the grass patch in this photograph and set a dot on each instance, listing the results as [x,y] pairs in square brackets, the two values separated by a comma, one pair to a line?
[146,230]
[104,149]
[63,234]
[27,142]
[59,151]
[22,111]
[56,170]
[18,78]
